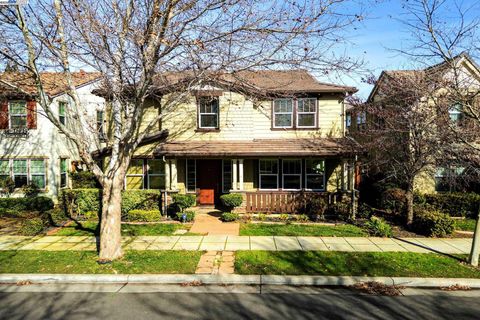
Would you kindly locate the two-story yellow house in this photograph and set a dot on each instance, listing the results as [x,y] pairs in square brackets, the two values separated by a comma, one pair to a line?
[284,135]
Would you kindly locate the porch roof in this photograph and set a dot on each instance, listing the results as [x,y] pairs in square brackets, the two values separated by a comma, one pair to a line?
[320,147]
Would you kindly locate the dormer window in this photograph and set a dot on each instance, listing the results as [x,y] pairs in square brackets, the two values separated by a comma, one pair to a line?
[208,109]
[18,114]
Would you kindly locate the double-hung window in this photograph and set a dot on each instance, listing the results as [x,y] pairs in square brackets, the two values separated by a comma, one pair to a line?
[156,174]
[63,172]
[306,113]
[20,173]
[348,120]
[134,178]
[314,174]
[268,174]
[283,113]
[62,109]
[100,125]
[455,113]
[191,175]
[4,172]
[208,108]
[292,174]
[37,173]
[18,114]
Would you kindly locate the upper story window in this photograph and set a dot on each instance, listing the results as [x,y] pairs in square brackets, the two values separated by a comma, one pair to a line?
[348,120]
[208,109]
[62,109]
[100,124]
[63,172]
[455,113]
[18,114]
[283,113]
[307,113]
[295,113]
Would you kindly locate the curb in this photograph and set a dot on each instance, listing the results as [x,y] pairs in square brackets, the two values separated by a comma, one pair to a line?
[235,280]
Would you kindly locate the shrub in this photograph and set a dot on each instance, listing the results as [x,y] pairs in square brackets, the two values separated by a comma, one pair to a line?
[17,206]
[91,216]
[284,217]
[262,217]
[184,201]
[231,200]
[432,223]
[364,211]
[189,216]
[83,180]
[30,190]
[140,200]
[314,206]
[55,217]
[453,203]
[378,227]
[41,204]
[302,218]
[393,200]
[341,210]
[143,215]
[31,227]
[230,216]
[8,185]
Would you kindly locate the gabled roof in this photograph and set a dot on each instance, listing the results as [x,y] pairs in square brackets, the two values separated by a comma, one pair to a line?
[260,81]
[428,74]
[54,83]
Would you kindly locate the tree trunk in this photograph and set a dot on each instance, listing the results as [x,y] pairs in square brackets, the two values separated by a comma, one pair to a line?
[409,205]
[110,228]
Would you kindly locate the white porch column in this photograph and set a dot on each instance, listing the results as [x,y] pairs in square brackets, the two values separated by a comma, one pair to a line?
[234,174]
[173,175]
[167,174]
[240,173]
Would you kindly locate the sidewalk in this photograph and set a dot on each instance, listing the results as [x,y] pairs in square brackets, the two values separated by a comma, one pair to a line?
[234,243]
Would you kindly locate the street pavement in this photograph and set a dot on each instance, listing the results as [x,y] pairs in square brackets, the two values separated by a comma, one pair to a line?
[267,302]
[234,243]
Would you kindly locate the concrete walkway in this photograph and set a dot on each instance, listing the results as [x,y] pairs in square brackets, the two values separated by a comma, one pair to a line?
[208,223]
[234,243]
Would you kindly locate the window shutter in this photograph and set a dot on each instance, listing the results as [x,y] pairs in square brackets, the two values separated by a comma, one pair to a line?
[31,114]
[4,114]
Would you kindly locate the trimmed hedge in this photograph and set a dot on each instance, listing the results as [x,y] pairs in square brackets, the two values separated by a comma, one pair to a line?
[189,216]
[184,201]
[230,216]
[143,215]
[453,203]
[231,200]
[432,223]
[32,227]
[87,202]
[17,206]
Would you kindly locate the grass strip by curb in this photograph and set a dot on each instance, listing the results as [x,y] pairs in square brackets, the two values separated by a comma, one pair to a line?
[375,264]
[260,229]
[85,262]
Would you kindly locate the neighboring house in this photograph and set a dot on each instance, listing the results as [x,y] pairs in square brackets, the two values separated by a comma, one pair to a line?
[265,134]
[32,149]
[441,176]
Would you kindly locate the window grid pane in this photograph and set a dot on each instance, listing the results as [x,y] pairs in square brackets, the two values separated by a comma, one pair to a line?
[191,175]
[315,174]
[283,112]
[227,175]
[208,112]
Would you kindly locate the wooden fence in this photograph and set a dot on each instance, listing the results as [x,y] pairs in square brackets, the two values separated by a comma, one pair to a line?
[282,201]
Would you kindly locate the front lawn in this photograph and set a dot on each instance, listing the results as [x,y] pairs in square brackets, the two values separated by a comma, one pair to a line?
[178,262]
[325,263]
[264,229]
[89,228]
[465,224]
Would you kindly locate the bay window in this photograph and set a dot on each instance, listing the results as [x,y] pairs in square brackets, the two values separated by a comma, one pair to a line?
[268,174]
[314,174]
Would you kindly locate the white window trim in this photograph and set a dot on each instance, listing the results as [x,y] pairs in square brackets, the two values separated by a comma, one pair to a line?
[28,174]
[65,112]
[291,174]
[223,174]
[10,114]
[312,174]
[267,174]
[156,174]
[200,113]
[136,175]
[290,113]
[315,113]
[186,175]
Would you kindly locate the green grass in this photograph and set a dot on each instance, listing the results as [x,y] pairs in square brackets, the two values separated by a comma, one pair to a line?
[388,264]
[88,228]
[465,224]
[79,262]
[264,229]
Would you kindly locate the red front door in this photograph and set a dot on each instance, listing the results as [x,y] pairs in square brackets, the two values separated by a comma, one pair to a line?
[209,181]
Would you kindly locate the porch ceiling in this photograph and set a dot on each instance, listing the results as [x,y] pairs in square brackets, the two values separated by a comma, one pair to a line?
[321,147]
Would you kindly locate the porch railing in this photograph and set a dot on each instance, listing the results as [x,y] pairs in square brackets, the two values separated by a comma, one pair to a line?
[283,201]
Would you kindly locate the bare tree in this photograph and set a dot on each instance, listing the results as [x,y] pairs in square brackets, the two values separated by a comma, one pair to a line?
[131,42]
